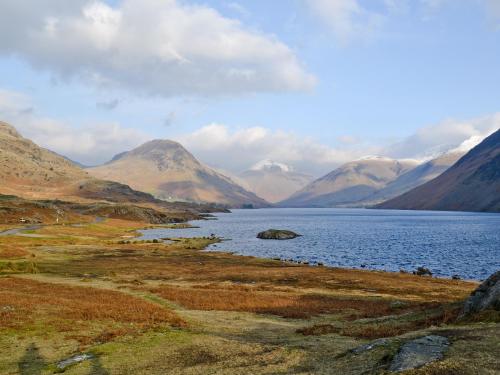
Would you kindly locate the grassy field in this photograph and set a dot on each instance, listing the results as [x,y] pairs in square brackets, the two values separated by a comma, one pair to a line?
[170,308]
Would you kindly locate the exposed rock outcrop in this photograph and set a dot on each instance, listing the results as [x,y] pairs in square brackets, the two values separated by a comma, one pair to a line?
[277,234]
[486,296]
[419,352]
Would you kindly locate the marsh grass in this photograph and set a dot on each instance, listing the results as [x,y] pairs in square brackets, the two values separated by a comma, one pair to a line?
[287,305]
[23,300]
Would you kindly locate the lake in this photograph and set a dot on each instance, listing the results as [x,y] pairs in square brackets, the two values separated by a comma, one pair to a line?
[448,243]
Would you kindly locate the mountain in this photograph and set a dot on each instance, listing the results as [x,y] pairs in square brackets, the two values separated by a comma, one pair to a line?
[168,171]
[350,184]
[273,181]
[30,171]
[414,177]
[471,184]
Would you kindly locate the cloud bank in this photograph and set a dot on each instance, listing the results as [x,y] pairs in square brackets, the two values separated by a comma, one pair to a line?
[238,149]
[152,47]
[91,144]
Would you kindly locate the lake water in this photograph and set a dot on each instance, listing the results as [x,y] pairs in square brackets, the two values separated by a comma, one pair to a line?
[448,243]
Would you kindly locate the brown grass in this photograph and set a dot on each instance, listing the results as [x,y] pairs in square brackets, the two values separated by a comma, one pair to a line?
[318,329]
[372,331]
[13,252]
[288,305]
[22,299]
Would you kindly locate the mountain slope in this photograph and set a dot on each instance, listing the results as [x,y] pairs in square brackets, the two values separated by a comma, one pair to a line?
[30,171]
[168,171]
[273,181]
[349,184]
[415,177]
[471,184]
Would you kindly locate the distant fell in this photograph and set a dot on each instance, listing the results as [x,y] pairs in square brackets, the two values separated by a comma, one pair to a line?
[350,184]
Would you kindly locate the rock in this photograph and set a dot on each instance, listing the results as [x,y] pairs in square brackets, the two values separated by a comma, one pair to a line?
[277,234]
[486,296]
[422,271]
[456,277]
[419,352]
[64,364]
[397,304]
[369,346]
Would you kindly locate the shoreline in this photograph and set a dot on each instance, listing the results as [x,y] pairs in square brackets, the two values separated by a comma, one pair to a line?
[276,251]
[154,308]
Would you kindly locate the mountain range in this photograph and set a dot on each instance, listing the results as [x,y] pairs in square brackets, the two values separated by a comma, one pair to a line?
[162,171]
[168,171]
[471,184]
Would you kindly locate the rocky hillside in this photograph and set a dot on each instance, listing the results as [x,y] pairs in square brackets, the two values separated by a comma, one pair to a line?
[168,171]
[30,171]
[471,184]
[273,181]
[350,184]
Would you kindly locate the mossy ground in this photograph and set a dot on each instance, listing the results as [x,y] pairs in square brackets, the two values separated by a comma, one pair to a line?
[170,308]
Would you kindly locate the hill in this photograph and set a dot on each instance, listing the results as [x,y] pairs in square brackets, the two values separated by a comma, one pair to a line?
[415,177]
[167,170]
[350,184]
[30,171]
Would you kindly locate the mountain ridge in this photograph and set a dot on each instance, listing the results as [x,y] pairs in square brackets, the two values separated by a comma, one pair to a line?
[351,182]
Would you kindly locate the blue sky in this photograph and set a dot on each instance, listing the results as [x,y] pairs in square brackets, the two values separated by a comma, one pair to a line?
[328,80]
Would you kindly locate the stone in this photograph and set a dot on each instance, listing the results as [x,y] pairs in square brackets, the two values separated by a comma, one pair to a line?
[419,352]
[64,364]
[422,271]
[277,234]
[486,296]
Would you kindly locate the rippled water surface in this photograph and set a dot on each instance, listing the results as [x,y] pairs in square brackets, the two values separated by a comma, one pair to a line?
[467,244]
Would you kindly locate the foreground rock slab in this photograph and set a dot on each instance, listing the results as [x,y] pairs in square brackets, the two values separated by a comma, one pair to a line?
[419,352]
[63,365]
[486,296]
[277,234]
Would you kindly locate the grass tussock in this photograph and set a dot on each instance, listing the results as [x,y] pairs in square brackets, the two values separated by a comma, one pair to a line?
[288,305]
[22,299]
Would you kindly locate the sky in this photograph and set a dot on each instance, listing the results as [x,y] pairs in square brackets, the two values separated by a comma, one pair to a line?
[309,83]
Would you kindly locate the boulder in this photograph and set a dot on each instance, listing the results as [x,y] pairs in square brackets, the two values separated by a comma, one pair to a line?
[422,271]
[277,234]
[419,352]
[486,296]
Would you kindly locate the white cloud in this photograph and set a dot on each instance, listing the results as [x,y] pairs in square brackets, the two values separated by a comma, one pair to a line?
[445,136]
[348,19]
[238,150]
[91,144]
[153,47]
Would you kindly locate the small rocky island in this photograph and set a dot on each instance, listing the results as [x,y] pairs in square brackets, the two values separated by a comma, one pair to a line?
[277,234]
